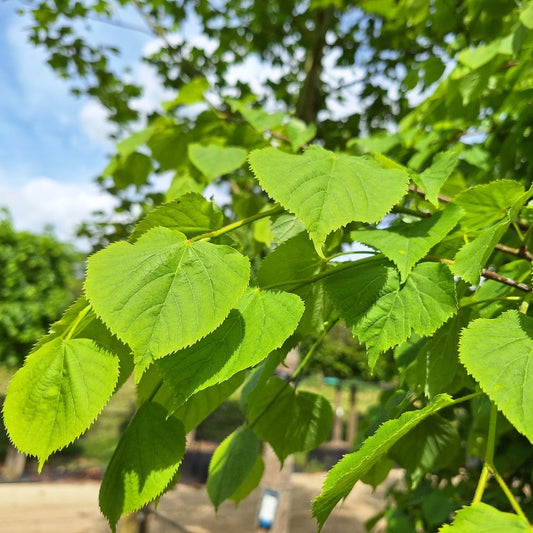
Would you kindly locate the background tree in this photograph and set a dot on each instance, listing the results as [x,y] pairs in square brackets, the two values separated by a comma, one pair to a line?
[38,278]
[351,68]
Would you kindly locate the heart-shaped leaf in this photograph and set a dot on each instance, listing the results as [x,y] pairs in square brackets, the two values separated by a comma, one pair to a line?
[289,421]
[214,161]
[482,517]
[259,324]
[327,190]
[497,352]
[164,293]
[57,395]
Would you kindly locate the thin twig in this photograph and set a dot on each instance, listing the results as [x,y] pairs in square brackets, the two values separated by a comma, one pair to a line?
[518,252]
[505,280]
[441,197]
[489,274]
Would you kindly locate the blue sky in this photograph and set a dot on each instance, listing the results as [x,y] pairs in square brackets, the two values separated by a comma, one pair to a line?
[52,144]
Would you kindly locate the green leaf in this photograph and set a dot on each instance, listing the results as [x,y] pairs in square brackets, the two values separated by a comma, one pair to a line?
[298,132]
[327,190]
[231,464]
[406,244]
[214,161]
[284,227]
[489,208]
[378,473]
[526,15]
[385,314]
[296,260]
[431,445]
[424,303]
[486,204]
[164,293]
[203,403]
[182,184]
[482,517]
[477,57]
[144,463]
[344,475]
[473,256]
[169,146]
[434,177]
[133,171]
[191,93]
[89,326]
[259,119]
[250,482]
[130,144]
[289,421]
[58,394]
[370,280]
[497,352]
[438,506]
[190,214]
[293,260]
[379,142]
[438,360]
[260,323]
[263,372]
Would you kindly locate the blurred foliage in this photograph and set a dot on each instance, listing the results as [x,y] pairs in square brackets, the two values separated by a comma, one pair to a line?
[39,276]
[341,356]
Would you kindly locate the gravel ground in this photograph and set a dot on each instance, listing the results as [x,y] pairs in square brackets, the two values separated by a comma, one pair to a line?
[72,507]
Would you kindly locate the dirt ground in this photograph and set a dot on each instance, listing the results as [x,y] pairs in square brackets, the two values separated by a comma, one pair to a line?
[72,506]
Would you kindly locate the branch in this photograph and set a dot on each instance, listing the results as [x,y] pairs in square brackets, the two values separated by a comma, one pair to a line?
[518,252]
[119,24]
[489,274]
[505,280]
[447,200]
[441,197]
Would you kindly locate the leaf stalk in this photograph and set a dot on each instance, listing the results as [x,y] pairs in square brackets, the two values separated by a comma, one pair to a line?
[238,224]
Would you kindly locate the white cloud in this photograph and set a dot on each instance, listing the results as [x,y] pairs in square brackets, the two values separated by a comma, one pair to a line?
[153,91]
[94,122]
[42,201]
[255,72]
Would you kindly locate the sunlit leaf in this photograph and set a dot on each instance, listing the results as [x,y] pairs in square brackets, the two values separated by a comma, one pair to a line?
[327,190]
[164,293]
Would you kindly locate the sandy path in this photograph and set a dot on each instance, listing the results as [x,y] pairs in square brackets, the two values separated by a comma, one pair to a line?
[61,507]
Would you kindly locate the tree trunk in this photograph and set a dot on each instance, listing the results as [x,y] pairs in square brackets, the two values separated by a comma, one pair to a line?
[14,464]
[136,522]
[311,99]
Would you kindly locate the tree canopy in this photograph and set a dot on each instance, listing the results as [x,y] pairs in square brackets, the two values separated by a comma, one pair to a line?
[200,298]
[37,281]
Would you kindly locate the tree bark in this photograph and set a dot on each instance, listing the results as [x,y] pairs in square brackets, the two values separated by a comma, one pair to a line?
[136,522]
[311,99]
